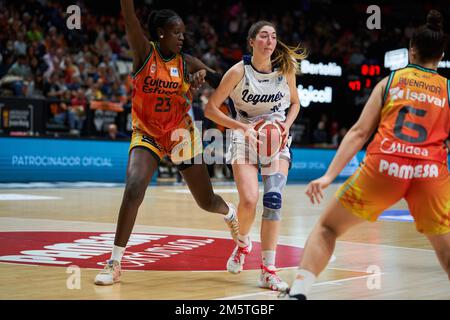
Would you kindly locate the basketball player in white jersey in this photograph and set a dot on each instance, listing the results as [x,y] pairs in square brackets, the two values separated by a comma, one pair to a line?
[261,87]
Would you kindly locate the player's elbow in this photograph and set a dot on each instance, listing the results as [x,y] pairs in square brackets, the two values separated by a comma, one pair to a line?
[362,133]
[209,110]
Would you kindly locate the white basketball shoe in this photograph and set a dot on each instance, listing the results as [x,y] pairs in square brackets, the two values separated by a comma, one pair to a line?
[236,261]
[110,274]
[270,279]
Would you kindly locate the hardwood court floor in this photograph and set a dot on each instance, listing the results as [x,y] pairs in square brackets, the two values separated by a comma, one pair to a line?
[409,268]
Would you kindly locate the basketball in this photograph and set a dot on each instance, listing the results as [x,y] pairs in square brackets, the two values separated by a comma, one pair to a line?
[270,134]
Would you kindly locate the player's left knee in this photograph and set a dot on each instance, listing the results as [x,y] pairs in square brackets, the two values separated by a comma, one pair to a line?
[273,199]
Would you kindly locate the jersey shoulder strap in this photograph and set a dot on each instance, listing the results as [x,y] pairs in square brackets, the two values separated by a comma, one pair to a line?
[247,59]
[134,74]
[388,85]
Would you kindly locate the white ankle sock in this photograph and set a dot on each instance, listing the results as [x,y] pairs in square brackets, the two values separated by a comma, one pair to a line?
[117,253]
[231,212]
[303,282]
[268,257]
[243,240]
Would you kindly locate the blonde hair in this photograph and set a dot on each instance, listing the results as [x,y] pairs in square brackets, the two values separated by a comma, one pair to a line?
[285,57]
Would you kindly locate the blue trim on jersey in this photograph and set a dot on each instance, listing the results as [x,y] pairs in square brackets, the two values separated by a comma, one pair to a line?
[248,62]
[231,108]
[391,76]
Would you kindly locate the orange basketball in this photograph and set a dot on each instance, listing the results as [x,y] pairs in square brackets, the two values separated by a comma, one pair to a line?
[271,138]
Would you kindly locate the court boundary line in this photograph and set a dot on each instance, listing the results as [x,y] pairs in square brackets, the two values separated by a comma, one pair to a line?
[274,293]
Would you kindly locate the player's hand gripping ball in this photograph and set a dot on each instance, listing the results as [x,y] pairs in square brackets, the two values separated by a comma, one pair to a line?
[270,134]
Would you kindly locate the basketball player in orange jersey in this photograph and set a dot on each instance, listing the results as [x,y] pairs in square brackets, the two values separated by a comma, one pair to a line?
[160,102]
[261,87]
[407,159]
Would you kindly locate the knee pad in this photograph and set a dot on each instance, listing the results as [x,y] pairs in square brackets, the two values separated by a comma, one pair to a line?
[272,199]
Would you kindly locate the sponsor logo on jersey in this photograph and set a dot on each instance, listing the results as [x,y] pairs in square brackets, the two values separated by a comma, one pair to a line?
[389,147]
[151,141]
[406,171]
[397,93]
[261,98]
[158,86]
[174,72]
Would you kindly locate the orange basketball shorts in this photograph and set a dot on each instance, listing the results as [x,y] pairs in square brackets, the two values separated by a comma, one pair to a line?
[180,144]
[381,180]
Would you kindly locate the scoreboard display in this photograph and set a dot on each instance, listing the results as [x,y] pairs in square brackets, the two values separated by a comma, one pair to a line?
[340,91]
[366,77]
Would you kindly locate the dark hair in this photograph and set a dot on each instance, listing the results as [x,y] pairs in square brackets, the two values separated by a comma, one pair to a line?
[429,39]
[284,56]
[158,19]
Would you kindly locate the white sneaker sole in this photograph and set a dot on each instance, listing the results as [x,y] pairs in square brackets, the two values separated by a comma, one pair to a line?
[271,287]
[105,283]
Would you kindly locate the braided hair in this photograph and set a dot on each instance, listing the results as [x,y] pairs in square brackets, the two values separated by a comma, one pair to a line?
[159,19]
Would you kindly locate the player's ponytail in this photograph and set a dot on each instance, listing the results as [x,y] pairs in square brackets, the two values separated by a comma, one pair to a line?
[429,39]
[284,57]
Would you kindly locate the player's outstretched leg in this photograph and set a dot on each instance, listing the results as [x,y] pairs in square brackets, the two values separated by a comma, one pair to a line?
[199,183]
[141,166]
[319,247]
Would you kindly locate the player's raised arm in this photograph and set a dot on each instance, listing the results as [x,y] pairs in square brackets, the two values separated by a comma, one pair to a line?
[136,38]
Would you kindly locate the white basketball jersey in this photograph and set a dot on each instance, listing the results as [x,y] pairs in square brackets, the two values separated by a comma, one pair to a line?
[260,95]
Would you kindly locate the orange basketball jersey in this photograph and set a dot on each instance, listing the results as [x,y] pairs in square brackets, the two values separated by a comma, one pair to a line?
[161,95]
[415,118]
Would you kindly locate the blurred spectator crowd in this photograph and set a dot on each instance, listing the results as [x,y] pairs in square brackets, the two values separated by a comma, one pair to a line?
[41,58]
